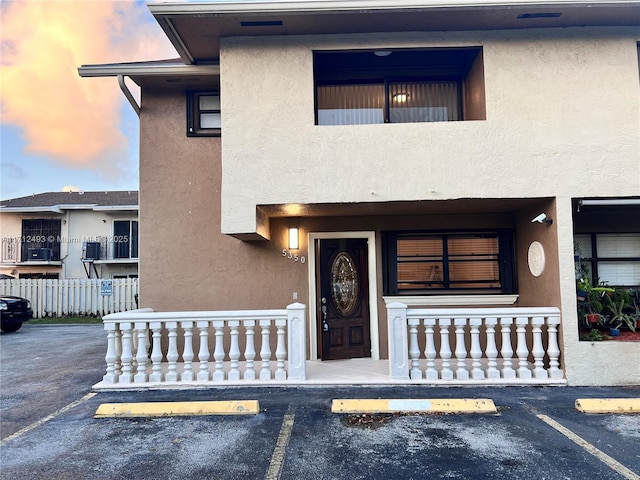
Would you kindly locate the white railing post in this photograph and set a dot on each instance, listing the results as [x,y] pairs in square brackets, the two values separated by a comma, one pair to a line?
[234,351]
[522,351]
[414,351]
[249,350]
[281,350]
[491,350]
[430,349]
[265,350]
[187,354]
[203,351]
[461,350]
[156,352]
[506,351]
[552,348]
[297,341]
[398,341]
[141,375]
[172,352]
[445,349]
[127,357]
[218,353]
[475,351]
[110,376]
[538,350]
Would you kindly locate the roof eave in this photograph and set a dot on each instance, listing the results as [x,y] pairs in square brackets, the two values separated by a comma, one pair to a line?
[113,70]
[319,6]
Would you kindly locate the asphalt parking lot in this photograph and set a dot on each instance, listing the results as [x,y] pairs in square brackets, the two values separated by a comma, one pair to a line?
[48,430]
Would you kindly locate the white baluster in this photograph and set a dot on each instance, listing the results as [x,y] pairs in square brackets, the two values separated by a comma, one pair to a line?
[552,349]
[281,350]
[507,350]
[110,376]
[445,349]
[430,349]
[522,351]
[461,350]
[127,356]
[414,351]
[475,351]
[265,350]
[218,353]
[250,350]
[491,351]
[141,375]
[187,354]
[203,351]
[538,349]
[118,342]
[156,352]
[172,352]
[234,351]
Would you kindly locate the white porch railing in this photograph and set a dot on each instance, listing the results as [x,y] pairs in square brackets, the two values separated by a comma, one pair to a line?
[475,345]
[155,349]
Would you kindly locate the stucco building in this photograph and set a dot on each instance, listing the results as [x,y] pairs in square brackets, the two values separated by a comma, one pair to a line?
[62,235]
[348,154]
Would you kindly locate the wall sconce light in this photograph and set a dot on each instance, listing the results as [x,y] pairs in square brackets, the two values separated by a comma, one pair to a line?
[542,218]
[401,97]
[294,244]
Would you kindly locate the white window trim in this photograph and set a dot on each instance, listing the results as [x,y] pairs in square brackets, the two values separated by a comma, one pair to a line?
[452,300]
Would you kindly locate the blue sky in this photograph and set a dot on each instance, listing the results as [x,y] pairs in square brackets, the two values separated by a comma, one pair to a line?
[59,130]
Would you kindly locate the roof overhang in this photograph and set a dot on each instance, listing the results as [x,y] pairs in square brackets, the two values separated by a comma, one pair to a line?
[196,28]
[158,74]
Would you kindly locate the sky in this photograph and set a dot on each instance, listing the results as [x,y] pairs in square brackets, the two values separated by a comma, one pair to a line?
[57,130]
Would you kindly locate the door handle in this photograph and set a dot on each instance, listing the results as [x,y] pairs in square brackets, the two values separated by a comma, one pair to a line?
[325,325]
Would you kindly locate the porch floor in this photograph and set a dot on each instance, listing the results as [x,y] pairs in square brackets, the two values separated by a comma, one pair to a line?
[355,371]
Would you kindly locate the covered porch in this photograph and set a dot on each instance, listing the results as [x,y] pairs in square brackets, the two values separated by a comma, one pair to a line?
[462,346]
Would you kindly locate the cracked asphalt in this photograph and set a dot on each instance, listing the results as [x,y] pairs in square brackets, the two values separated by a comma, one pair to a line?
[44,369]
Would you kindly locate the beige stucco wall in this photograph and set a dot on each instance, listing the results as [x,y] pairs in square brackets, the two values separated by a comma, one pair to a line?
[556,100]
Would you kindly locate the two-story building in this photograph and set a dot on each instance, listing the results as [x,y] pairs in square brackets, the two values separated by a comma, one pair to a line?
[349,154]
[61,235]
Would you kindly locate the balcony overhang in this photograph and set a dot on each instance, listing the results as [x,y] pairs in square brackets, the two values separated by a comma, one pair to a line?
[196,28]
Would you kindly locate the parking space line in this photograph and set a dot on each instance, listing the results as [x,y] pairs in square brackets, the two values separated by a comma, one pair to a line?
[277,459]
[44,420]
[599,454]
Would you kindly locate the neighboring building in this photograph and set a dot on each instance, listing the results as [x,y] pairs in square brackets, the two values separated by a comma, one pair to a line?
[70,235]
[406,146]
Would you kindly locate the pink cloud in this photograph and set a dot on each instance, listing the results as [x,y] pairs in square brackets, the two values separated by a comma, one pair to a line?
[72,121]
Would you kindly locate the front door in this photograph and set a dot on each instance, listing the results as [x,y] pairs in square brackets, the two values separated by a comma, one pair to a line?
[343,299]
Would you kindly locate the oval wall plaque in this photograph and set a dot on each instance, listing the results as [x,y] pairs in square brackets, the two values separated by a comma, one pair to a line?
[536,259]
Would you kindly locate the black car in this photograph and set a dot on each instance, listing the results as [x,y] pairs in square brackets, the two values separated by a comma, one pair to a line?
[14,311]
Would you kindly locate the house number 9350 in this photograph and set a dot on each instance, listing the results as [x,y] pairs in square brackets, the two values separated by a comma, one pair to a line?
[293,256]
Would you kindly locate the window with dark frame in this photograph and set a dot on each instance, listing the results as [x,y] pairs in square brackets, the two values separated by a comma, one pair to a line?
[422,263]
[203,114]
[125,239]
[399,86]
[612,258]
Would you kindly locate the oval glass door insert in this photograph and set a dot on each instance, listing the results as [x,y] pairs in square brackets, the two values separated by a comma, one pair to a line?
[344,283]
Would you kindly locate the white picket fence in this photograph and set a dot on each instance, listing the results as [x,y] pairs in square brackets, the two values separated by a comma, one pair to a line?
[75,296]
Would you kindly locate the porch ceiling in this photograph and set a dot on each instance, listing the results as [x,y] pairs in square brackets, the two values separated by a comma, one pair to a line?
[196,29]
[427,207]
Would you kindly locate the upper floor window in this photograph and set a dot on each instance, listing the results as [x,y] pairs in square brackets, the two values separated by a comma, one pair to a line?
[40,239]
[203,114]
[423,262]
[125,239]
[399,86]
